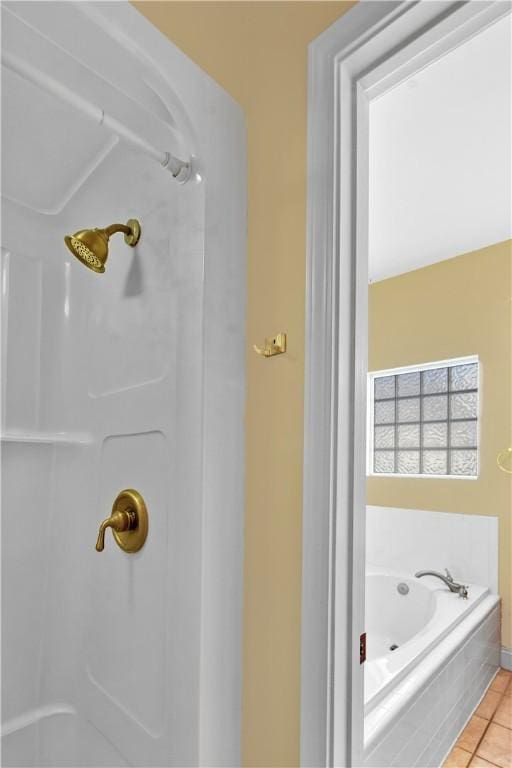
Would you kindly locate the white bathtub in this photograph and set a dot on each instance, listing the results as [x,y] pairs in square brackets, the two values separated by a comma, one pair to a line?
[413,623]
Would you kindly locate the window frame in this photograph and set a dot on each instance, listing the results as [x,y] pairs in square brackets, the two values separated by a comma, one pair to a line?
[370,429]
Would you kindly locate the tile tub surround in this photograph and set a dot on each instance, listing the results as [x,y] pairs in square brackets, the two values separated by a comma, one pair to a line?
[418,723]
[410,540]
[486,741]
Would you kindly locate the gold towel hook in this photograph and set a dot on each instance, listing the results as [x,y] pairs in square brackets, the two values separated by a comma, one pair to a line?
[501,458]
[276,345]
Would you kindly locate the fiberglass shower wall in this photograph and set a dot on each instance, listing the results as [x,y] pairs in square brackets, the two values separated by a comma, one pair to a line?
[130,379]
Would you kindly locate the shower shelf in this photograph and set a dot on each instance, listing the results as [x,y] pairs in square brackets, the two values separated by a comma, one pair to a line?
[69,438]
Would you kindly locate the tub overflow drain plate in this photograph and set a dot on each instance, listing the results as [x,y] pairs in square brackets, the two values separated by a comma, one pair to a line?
[403,589]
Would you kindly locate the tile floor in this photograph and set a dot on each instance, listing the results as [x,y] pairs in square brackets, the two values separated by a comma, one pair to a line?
[486,741]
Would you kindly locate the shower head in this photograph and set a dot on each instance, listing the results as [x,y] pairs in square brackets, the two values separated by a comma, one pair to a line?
[90,246]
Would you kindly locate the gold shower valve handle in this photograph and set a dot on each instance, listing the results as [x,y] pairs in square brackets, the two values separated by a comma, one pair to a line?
[118,521]
[129,522]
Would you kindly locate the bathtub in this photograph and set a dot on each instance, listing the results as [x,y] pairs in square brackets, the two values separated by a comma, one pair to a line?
[401,629]
[419,695]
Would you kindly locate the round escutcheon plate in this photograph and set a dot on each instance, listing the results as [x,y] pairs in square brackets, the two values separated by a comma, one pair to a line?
[131,501]
[134,236]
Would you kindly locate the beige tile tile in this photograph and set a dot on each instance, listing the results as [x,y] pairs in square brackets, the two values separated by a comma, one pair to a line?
[503,715]
[488,705]
[479,762]
[496,746]
[472,733]
[458,758]
[501,681]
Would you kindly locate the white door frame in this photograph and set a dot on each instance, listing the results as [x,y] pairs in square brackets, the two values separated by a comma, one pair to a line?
[365,53]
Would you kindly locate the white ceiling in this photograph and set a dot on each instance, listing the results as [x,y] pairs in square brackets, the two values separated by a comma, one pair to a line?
[440,158]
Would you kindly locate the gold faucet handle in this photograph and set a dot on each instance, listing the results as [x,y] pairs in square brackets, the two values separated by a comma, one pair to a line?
[129,522]
[119,521]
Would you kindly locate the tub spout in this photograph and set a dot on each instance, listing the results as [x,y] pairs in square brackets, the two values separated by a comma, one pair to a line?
[452,585]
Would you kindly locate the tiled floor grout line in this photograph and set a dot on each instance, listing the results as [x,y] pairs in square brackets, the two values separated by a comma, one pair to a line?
[501,696]
[491,720]
[475,751]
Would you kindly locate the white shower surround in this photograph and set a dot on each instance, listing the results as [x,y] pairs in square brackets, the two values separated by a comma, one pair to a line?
[134,378]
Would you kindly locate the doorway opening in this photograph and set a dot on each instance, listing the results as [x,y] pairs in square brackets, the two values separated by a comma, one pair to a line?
[374,56]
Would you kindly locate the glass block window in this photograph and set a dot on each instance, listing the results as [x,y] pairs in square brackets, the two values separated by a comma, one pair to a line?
[424,420]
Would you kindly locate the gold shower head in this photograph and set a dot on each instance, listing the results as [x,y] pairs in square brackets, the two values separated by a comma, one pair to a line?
[90,246]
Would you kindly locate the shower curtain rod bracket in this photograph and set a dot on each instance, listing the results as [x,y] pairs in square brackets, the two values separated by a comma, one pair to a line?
[181,170]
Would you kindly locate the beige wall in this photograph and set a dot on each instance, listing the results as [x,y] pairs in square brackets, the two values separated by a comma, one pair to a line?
[457,307]
[258,52]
